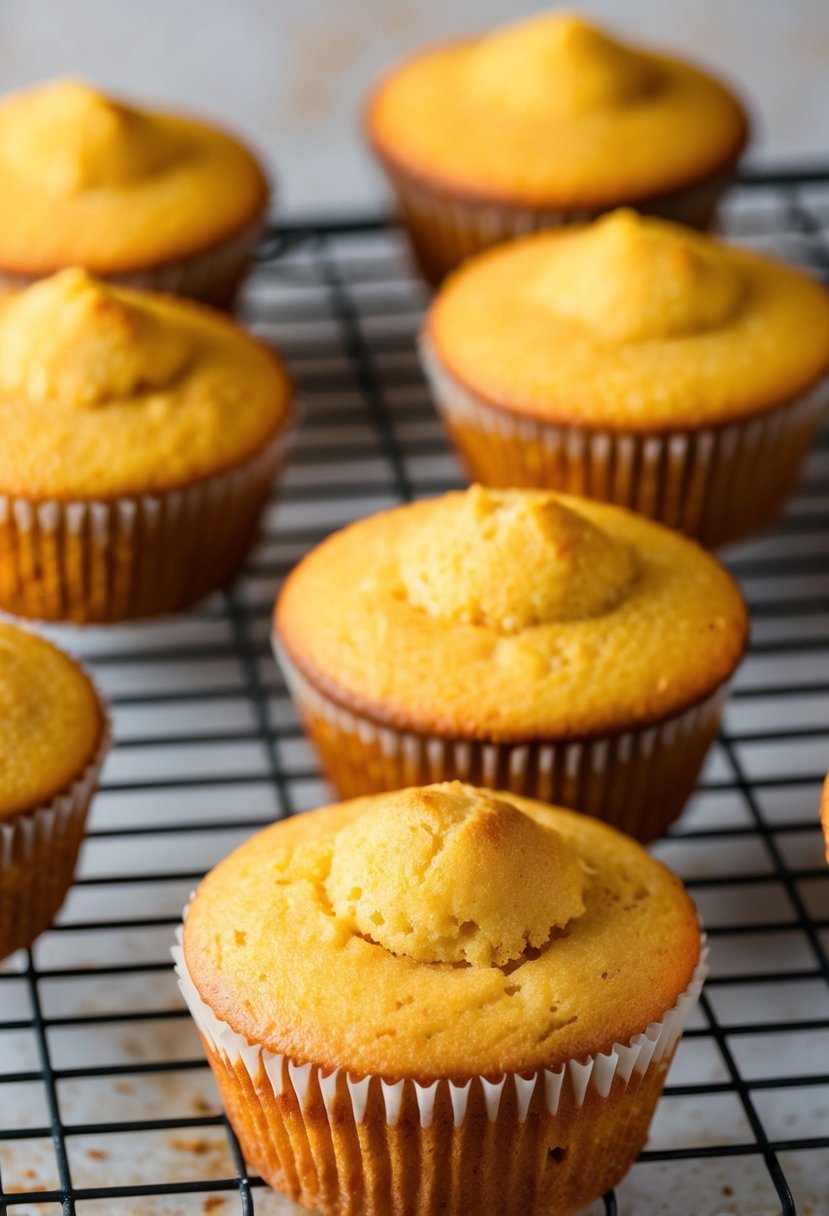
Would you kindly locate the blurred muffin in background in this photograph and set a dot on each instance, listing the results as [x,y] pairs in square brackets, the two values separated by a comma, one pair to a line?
[147,198]
[547,122]
[635,361]
[141,433]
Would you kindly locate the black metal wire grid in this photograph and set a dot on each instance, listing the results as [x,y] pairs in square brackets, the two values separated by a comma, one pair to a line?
[106,1103]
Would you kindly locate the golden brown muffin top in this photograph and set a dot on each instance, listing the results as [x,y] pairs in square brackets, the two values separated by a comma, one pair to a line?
[512,614]
[51,723]
[107,391]
[552,111]
[630,322]
[91,181]
[824,813]
[442,931]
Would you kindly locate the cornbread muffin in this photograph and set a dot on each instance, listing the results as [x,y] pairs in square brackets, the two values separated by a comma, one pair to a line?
[557,647]
[53,736]
[441,999]
[542,123]
[638,362]
[140,437]
[151,199]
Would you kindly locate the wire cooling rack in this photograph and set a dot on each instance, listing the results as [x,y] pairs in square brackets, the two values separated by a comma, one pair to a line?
[106,1104]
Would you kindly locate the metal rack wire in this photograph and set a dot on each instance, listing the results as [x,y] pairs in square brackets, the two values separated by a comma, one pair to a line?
[106,1104]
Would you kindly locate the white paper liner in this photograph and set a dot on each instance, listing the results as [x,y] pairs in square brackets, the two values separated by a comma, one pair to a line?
[706,482]
[133,556]
[445,230]
[656,1043]
[635,780]
[32,837]
[211,276]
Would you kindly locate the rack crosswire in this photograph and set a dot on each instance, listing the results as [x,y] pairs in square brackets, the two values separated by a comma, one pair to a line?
[106,1103]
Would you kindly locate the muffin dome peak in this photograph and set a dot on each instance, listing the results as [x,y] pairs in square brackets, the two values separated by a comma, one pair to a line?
[71,137]
[557,63]
[72,340]
[628,278]
[511,560]
[451,874]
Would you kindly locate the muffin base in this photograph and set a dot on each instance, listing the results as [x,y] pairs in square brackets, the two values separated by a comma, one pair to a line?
[212,276]
[715,483]
[543,1143]
[38,854]
[445,229]
[638,780]
[105,561]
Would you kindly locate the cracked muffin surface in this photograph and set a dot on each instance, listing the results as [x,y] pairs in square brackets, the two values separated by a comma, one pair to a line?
[441,930]
[511,615]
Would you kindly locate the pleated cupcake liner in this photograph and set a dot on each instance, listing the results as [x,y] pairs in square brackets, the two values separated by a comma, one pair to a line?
[212,276]
[714,483]
[133,556]
[638,780]
[39,850]
[537,1143]
[444,229]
